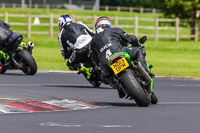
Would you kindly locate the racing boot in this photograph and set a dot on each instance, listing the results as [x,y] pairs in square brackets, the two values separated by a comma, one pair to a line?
[120,92]
[87,71]
[114,84]
[3,57]
[150,71]
[3,61]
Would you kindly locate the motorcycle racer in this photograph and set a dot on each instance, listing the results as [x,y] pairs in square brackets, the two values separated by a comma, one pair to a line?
[74,39]
[5,34]
[106,42]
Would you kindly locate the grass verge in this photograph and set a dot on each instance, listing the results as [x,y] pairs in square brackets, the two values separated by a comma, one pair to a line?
[169,58]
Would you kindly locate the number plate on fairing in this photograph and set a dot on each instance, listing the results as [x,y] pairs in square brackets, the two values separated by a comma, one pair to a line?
[120,65]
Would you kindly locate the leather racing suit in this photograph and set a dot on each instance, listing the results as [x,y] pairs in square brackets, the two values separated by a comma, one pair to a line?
[107,41]
[74,40]
[5,33]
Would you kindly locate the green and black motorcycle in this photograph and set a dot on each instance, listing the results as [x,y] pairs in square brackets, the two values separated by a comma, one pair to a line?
[16,55]
[132,79]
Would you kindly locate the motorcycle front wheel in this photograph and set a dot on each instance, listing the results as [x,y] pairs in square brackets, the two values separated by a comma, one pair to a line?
[27,62]
[3,71]
[94,83]
[133,88]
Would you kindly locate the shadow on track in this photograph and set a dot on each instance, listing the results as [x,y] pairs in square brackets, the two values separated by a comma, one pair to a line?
[14,74]
[116,104]
[77,86]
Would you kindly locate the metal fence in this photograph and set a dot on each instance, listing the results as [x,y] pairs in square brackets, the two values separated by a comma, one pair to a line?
[135,27]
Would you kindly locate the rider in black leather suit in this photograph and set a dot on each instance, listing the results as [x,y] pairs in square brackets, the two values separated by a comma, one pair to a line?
[74,39]
[5,33]
[106,42]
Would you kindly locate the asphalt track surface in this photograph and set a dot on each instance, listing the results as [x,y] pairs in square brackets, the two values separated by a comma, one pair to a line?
[101,111]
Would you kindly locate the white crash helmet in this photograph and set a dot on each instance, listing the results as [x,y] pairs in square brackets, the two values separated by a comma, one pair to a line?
[63,19]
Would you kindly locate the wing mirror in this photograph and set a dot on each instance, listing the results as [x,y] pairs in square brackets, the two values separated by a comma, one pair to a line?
[143,39]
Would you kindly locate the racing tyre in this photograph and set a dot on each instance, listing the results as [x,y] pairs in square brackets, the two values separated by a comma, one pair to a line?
[154,99]
[3,71]
[133,89]
[27,62]
[94,83]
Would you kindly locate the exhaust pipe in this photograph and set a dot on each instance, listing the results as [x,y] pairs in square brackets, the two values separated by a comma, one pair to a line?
[137,65]
[30,47]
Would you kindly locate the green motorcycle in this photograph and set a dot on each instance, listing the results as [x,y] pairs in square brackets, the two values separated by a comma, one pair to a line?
[131,78]
[16,55]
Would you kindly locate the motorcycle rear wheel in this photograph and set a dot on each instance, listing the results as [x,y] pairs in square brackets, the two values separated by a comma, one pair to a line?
[27,62]
[154,99]
[133,89]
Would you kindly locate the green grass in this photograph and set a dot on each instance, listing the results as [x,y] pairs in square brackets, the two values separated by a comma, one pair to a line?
[47,54]
[75,12]
[169,58]
[58,12]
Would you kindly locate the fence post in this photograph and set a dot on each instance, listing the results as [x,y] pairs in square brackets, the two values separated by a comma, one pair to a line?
[14,5]
[141,10]
[106,8]
[196,30]
[131,9]
[83,7]
[74,18]
[36,6]
[47,6]
[51,25]
[29,26]
[116,21]
[156,28]
[118,8]
[3,5]
[136,25]
[95,18]
[177,29]
[153,10]
[6,17]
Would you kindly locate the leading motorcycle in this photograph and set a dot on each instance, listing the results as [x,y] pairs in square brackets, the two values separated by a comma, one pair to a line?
[131,79]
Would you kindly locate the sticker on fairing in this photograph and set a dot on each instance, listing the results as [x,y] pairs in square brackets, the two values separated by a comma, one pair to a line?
[82,41]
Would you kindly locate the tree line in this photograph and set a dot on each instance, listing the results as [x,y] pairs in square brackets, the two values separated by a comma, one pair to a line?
[184,9]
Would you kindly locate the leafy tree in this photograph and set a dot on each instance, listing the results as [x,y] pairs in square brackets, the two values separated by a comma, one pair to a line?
[128,3]
[184,9]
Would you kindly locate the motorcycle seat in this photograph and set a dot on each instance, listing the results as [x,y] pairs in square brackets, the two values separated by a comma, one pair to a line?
[13,42]
[13,38]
